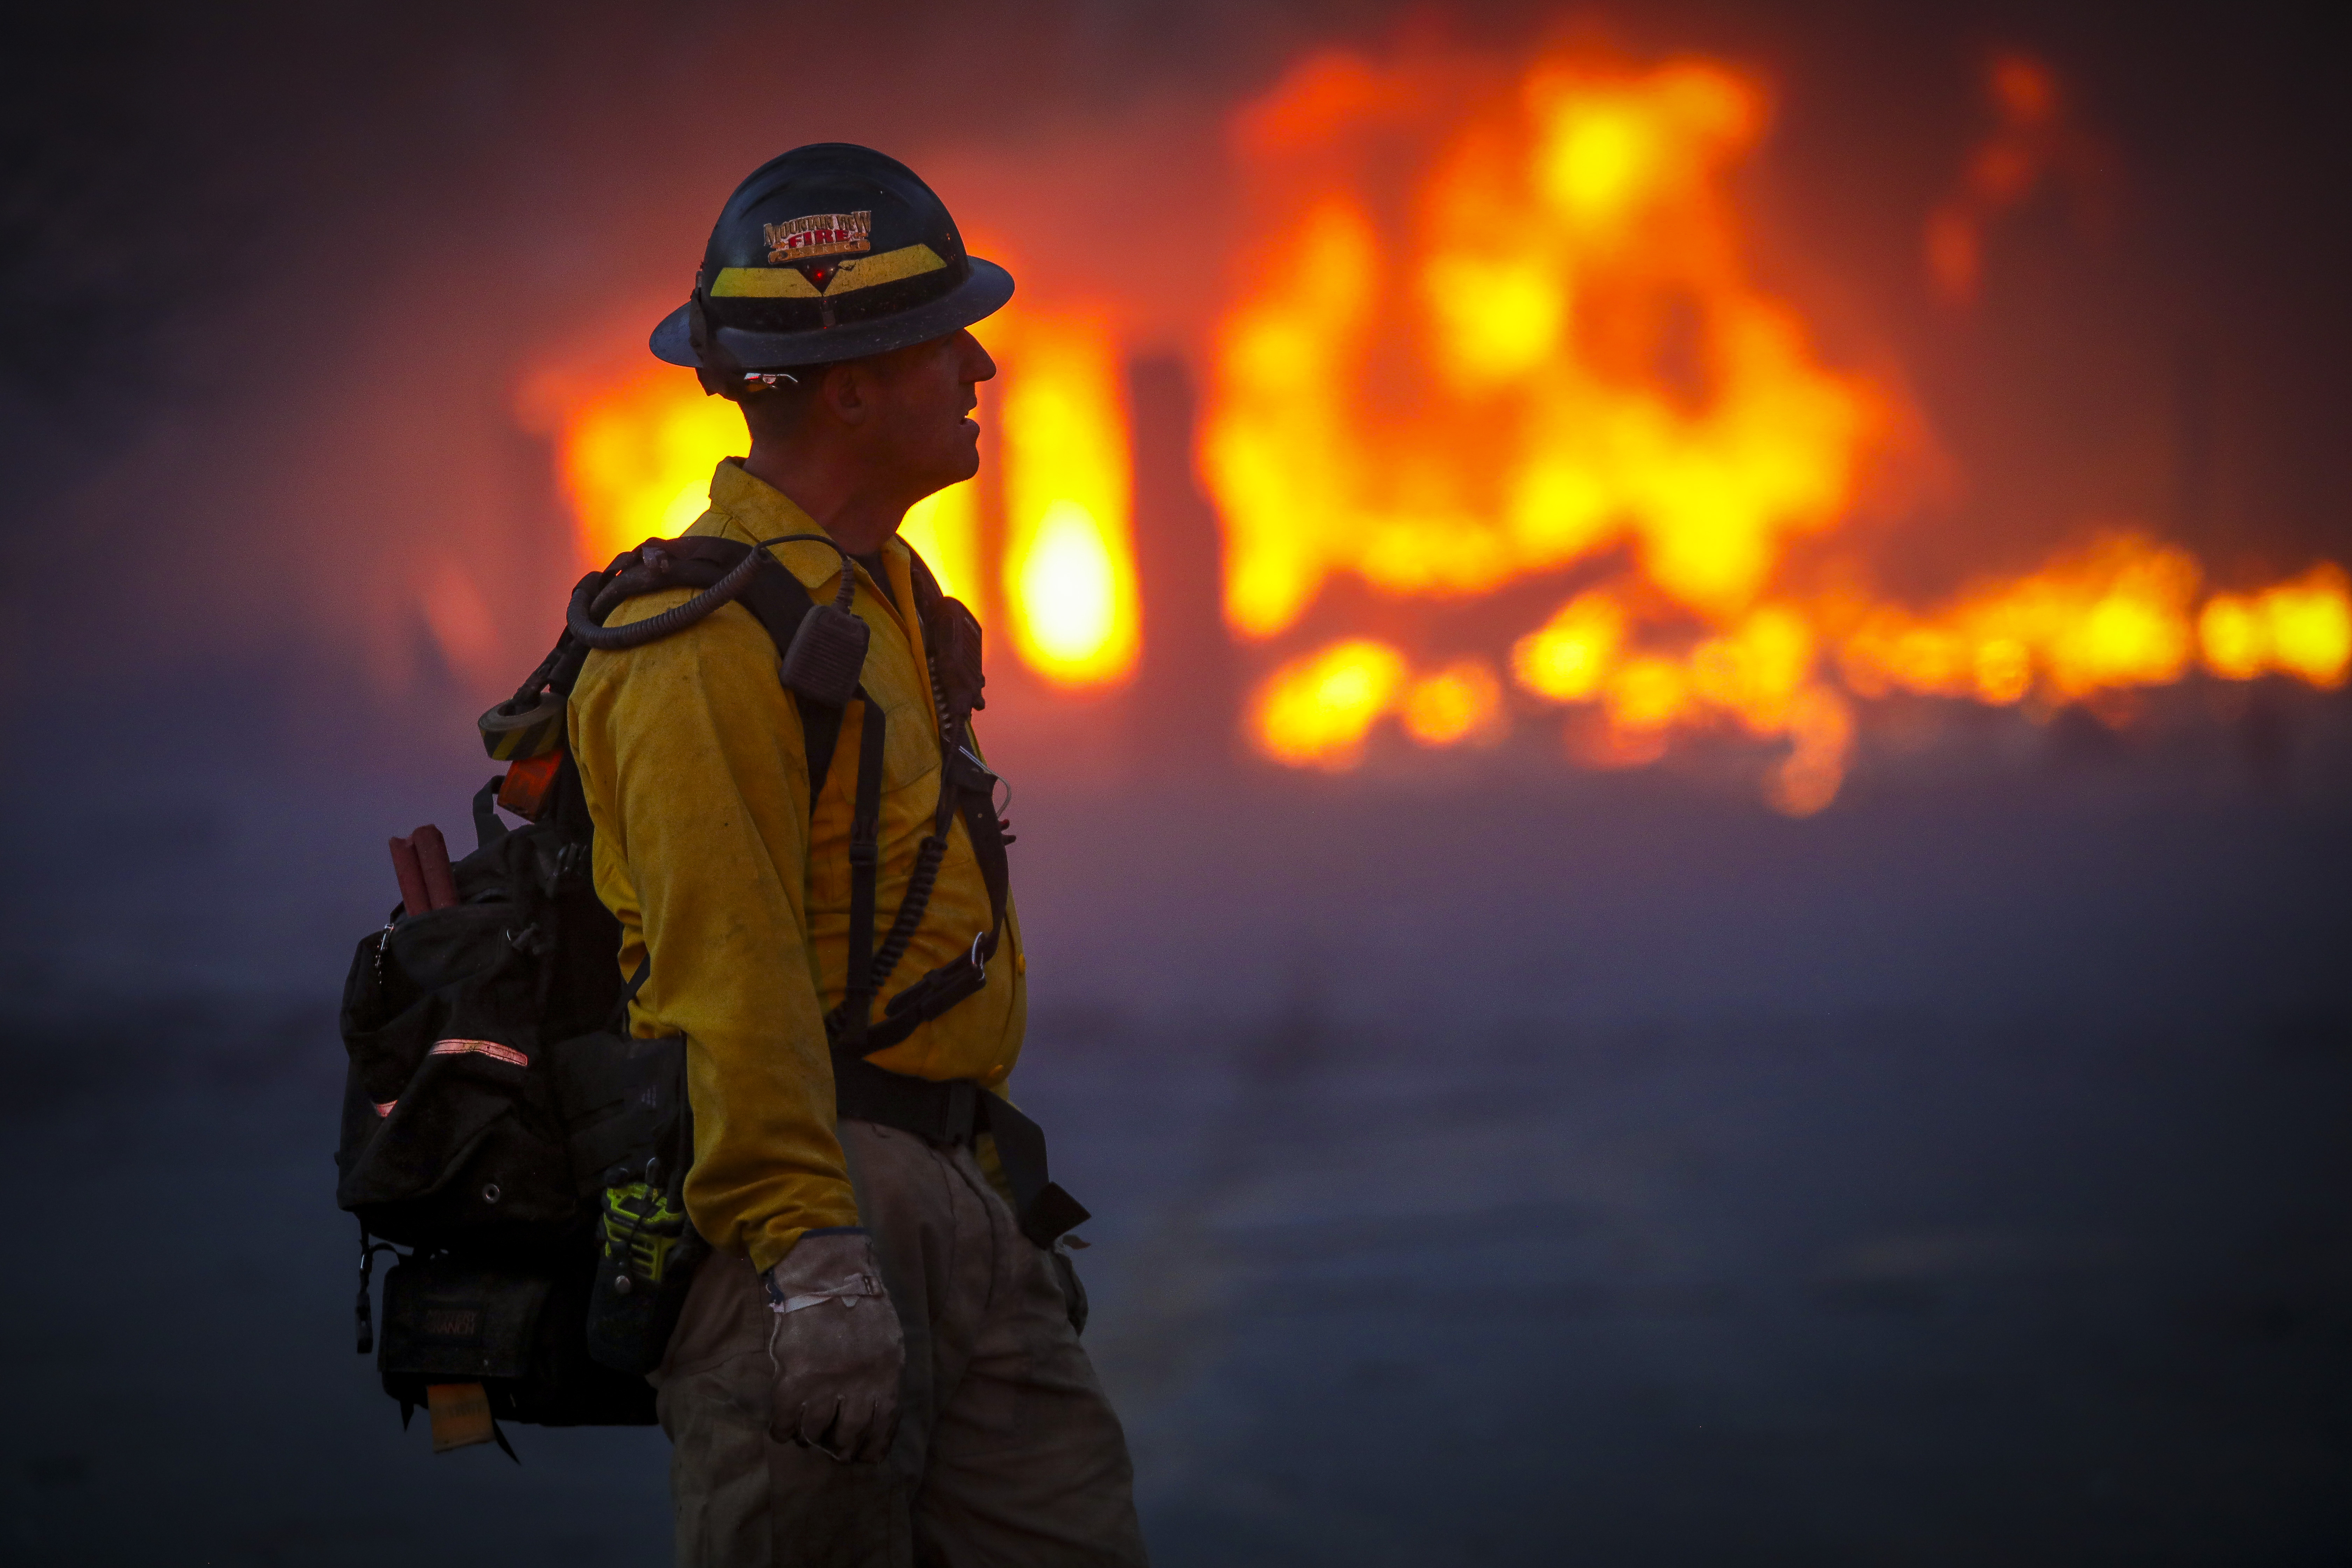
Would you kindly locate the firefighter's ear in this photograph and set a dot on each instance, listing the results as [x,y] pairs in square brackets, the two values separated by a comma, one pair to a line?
[848,391]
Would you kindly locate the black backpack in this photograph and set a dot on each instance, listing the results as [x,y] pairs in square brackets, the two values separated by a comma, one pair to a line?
[498,1122]
[485,1042]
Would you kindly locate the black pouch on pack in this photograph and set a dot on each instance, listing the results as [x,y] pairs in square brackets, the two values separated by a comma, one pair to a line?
[447,1129]
[514,1328]
[632,1137]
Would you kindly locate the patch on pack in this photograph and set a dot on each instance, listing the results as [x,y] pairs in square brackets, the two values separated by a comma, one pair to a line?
[819,233]
[460,1323]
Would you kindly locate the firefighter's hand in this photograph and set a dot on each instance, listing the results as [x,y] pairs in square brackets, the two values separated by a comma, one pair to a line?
[836,1348]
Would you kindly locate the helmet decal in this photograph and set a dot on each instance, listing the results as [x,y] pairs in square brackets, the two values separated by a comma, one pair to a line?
[818,233]
[825,253]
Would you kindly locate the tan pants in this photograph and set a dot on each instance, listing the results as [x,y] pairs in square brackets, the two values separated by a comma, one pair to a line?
[1007,1454]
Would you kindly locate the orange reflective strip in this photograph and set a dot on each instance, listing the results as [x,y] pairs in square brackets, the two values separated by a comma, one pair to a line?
[489,1048]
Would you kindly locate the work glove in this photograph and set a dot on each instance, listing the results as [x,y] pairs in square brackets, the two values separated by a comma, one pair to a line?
[835,1346]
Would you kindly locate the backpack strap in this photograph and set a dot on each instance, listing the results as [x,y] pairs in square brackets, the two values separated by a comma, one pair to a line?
[952,634]
[967,789]
[778,601]
[860,981]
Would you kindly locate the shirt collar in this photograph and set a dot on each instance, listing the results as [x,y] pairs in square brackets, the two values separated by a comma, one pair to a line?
[748,508]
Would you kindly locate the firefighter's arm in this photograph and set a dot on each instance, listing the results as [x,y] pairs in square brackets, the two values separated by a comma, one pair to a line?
[706,820]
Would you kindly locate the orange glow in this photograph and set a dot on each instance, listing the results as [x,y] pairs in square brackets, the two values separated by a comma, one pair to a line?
[2116,615]
[1316,712]
[1756,670]
[2029,142]
[1463,702]
[1646,692]
[2302,629]
[1598,370]
[1069,561]
[459,619]
[635,454]
[1601,367]
[1566,658]
[1820,728]
[1502,328]
[944,530]
[1558,351]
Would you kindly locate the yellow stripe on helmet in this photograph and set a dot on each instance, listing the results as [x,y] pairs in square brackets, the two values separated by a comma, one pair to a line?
[858,272]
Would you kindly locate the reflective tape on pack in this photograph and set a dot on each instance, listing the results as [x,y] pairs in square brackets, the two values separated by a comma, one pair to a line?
[491,1049]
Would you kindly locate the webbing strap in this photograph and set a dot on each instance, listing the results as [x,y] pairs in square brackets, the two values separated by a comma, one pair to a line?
[976,802]
[487,828]
[865,867]
[778,601]
[958,694]
[620,1021]
[965,787]
[1044,1209]
[919,882]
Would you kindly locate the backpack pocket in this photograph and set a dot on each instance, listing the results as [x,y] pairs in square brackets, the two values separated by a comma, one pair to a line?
[450,1321]
[514,1328]
[446,1127]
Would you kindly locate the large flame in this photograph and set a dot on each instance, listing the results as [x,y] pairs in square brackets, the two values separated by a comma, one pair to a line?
[1560,354]
[1069,557]
[1589,363]
[1498,330]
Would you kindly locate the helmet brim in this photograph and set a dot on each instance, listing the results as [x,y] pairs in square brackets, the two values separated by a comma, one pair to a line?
[978,296]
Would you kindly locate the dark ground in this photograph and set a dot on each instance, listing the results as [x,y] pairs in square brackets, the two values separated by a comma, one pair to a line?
[1604,1174]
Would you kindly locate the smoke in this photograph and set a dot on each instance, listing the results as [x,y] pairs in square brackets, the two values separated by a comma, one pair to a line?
[275,281]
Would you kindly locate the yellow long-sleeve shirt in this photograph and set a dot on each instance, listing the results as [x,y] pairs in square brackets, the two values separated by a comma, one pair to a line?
[689,750]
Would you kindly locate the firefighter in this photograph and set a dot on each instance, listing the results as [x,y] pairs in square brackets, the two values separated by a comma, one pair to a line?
[880,1364]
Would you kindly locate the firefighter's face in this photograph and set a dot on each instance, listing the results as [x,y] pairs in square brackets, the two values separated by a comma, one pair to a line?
[916,404]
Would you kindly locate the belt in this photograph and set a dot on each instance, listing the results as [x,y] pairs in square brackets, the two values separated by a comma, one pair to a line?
[952,1112]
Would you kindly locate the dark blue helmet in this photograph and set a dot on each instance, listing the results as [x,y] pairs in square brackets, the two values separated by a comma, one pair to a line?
[829,252]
